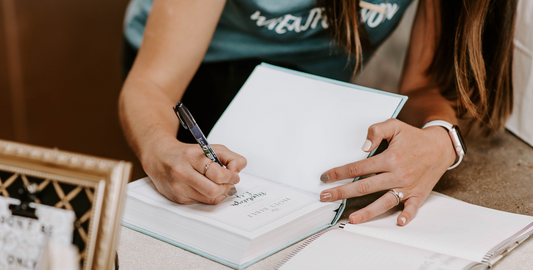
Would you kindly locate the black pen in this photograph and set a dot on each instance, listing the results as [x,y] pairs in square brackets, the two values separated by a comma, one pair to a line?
[187,121]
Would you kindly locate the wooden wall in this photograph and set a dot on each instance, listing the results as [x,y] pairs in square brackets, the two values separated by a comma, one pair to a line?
[60,75]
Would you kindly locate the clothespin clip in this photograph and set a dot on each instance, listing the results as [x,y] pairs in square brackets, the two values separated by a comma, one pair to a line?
[370,6]
[26,195]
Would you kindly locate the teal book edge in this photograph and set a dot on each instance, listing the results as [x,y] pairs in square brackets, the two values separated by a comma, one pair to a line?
[339,210]
[347,84]
[216,259]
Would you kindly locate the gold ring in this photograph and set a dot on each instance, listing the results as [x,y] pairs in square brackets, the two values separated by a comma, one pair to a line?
[207,166]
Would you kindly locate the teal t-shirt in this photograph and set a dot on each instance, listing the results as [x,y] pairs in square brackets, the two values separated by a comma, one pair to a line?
[281,31]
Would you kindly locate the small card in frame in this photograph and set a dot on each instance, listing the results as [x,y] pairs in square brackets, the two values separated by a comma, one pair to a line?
[92,187]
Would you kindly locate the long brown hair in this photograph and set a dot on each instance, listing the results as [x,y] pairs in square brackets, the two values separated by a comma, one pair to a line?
[473,58]
[346,27]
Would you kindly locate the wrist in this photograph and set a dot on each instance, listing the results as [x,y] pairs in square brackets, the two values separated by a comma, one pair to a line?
[454,134]
[442,142]
[153,146]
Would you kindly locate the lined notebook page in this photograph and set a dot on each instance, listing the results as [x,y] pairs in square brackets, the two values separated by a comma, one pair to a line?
[339,249]
[449,226]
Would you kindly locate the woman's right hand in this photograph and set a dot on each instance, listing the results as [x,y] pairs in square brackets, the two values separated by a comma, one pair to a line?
[177,170]
[162,71]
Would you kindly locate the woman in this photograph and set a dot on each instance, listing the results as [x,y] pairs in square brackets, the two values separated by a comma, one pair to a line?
[458,66]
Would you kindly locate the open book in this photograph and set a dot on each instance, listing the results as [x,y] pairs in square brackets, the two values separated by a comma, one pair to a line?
[447,234]
[291,127]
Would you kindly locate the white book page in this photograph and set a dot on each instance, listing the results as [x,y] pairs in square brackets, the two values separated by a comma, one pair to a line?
[256,204]
[339,249]
[447,225]
[291,128]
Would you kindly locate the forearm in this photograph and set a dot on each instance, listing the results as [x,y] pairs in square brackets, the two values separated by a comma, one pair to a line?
[425,105]
[146,116]
[175,40]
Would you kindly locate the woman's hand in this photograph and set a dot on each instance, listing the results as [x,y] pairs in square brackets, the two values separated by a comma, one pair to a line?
[412,164]
[162,71]
[177,170]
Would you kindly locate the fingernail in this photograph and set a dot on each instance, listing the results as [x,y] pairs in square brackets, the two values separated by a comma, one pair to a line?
[355,218]
[366,145]
[324,178]
[237,179]
[232,191]
[403,220]
[324,197]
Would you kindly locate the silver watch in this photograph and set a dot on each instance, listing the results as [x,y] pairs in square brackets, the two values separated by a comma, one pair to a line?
[456,137]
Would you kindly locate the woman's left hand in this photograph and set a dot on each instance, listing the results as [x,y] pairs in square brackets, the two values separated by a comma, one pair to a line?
[412,164]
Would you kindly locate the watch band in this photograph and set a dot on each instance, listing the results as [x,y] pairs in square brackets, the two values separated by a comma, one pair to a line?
[455,136]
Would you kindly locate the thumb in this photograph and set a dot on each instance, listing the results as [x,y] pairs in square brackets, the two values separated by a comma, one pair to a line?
[233,161]
[381,131]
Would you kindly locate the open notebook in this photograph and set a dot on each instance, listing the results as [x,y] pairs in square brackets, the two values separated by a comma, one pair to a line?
[447,234]
[291,127]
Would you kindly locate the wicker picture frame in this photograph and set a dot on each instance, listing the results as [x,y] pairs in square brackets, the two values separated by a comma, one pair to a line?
[94,188]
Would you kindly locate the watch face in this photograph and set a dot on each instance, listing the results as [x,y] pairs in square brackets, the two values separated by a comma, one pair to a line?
[460,137]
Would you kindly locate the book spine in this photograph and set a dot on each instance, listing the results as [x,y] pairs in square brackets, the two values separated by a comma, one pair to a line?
[507,245]
[306,243]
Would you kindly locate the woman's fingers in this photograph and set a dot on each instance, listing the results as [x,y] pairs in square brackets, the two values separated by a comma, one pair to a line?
[381,131]
[191,195]
[183,174]
[232,161]
[378,207]
[412,164]
[384,204]
[363,167]
[216,173]
[376,133]
[411,206]
[188,176]
[358,188]
[201,184]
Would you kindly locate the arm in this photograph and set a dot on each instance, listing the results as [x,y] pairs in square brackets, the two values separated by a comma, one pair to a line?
[424,104]
[175,41]
[415,159]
